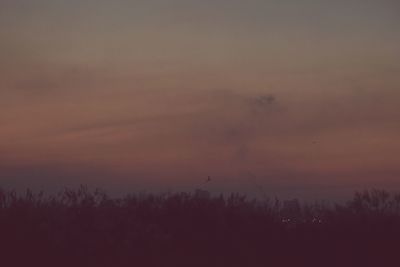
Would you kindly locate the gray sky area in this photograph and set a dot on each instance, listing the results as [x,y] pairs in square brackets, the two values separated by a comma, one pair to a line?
[292,98]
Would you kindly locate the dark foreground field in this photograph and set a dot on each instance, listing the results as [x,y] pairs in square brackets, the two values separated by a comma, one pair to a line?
[84,228]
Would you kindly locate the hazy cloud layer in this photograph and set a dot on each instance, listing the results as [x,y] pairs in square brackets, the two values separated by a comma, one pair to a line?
[299,94]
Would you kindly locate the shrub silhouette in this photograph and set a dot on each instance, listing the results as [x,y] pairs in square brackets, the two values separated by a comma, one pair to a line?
[87,228]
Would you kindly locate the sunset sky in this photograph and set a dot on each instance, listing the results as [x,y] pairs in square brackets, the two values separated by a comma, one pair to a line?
[288,97]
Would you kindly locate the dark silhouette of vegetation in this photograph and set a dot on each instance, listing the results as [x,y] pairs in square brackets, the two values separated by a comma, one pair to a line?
[88,228]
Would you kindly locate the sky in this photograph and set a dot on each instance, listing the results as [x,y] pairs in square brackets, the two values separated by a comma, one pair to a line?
[292,98]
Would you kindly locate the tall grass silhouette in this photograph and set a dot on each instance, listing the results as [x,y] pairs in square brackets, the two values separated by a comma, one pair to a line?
[88,228]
